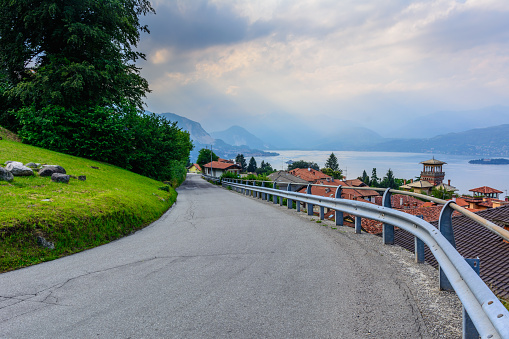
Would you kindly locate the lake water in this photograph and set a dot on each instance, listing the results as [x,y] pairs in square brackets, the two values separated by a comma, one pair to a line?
[463,175]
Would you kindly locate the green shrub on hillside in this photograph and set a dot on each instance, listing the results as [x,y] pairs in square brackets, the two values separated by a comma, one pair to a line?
[142,143]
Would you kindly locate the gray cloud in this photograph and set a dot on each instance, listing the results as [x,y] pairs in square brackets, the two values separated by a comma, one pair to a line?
[199,25]
[465,30]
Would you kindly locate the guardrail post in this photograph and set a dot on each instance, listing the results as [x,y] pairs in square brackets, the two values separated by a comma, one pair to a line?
[338,214]
[322,213]
[469,330]
[274,197]
[289,202]
[388,230]
[445,227]
[358,224]
[419,247]
[264,195]
[308,205]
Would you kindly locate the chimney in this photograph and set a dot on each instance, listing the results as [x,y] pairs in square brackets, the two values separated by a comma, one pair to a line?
[449,182]
[404,181]
[411,180]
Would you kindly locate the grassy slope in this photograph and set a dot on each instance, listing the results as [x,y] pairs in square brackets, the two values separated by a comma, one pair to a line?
[111,203]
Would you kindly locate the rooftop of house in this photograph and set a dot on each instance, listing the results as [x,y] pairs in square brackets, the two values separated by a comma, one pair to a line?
[283,176]
[482,201]
[309,174]
[198,167]
[221,165]
[446,187]
[346,193]
[485,190]
[418,184]
[401,201]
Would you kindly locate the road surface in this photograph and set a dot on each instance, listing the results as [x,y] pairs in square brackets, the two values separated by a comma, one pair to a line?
[216,265]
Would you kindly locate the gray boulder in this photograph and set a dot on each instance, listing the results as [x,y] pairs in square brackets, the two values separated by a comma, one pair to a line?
[31,165]
[48,170]
[59,177]
[5,175]
[45,243]
[18,169]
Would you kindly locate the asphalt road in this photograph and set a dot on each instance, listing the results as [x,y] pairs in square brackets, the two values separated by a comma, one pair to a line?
[217,265]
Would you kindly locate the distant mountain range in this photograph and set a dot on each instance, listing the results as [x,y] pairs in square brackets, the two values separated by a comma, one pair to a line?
[484,142]
[444,122]
[489,141]
[202,139]
[238,136]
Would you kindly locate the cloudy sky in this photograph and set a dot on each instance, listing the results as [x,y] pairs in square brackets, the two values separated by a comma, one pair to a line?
[372,63]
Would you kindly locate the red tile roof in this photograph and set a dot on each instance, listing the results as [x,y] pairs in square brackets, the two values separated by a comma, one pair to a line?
[485,190]
[309,174]
[346,193]
[401,201]
[221,165]
[197,167]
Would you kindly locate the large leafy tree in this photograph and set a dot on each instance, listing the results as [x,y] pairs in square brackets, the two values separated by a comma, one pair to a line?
[73,53]
[205,156]
[264,169]
[335,174]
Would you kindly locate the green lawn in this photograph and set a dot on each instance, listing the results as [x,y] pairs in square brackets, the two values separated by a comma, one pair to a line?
[111,203]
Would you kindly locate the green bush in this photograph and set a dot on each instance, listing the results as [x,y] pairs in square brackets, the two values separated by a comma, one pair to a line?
[146,144]
[230,175]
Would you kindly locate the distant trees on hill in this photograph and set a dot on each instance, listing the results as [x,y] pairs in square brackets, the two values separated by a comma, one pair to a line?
[303,164]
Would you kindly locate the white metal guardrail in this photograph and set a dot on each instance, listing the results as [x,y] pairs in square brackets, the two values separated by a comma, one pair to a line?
[484,315]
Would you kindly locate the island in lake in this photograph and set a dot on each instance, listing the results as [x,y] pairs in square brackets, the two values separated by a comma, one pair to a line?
[490,161]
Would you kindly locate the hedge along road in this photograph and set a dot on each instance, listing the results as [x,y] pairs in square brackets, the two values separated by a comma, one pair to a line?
[218,264]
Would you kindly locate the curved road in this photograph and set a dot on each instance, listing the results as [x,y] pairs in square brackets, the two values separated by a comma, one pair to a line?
[217,265]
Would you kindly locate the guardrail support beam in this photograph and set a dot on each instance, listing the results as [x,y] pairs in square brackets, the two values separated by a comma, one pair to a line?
[322,213]
[469,330]
[358,224]
[289,202]
[445,227]
[308,205]
[419,250]
[419,247]
[338,214]
[388,230]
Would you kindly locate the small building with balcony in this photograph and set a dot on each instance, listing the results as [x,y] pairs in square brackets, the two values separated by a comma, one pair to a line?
[432,171]
[432,175]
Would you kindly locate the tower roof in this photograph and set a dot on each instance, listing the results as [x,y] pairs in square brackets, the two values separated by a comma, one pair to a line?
[433,162]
